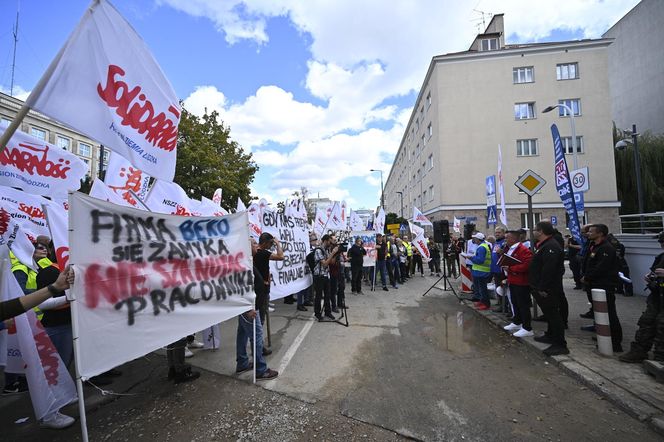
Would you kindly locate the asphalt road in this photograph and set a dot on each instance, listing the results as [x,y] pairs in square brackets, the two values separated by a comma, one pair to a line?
[408,366]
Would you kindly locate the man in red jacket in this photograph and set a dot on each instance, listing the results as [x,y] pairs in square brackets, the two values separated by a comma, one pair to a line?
[516,262]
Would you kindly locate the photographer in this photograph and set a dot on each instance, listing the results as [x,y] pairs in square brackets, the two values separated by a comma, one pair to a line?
[356,256]
[323,256]
[262,257]
[651,322]
[337,282]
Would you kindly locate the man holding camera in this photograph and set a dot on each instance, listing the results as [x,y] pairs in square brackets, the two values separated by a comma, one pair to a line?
[651,322]
[262,256]
[323,256]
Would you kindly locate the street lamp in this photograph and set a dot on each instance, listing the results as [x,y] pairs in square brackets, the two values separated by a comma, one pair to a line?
[570,112]
[382,196]
[622,145]
[401,195]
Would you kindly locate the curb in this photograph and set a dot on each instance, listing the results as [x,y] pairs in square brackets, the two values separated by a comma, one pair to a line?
[623,399]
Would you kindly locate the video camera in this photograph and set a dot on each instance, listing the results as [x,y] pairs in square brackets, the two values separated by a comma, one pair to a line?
[343,247]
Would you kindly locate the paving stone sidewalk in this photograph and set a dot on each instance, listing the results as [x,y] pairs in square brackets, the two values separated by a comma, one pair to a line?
[626,385]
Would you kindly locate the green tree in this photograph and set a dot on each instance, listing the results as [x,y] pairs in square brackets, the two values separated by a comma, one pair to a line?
[651,151]
[393,218]
[209,159]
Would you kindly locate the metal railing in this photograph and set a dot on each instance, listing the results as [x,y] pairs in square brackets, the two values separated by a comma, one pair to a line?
[646,223]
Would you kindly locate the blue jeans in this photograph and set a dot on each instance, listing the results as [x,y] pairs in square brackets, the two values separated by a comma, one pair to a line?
[302,296]
[245,332]
[63,340]
[382,268]
[396,270]
[479,289]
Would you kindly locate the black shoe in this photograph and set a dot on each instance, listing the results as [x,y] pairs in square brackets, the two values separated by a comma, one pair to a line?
[335,310]
[267,374]
[545,339]
[385,289]
[302,308]
[588,328]
[633,357]
[319,317]
[187,375]
[250,366]
[15,387]
[330,317]
[343,306]
[308,304]
[555,350]
[587,315]
[540,318]
[266,351]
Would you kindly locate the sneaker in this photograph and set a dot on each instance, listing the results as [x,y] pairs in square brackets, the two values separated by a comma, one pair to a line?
[385,289]
[483,307]
[15,387]
[302,308]
[250,366]
[545,339]
[587,315]
[330,317]
[57,421]
[195,344]
[633,357]
[270,309]
[271,304]
[523,333]
[188,353]
[556,350]
[511,326]
[187,375]
[395,287]
[267,374]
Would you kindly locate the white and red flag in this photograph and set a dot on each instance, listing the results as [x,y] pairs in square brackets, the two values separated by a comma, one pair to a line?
[26,209]
[38,167]
[356,223]
[240,205]
[216,198]
[58,224]
[419,241]
[168,197]
[379,222]
[102,192]
[13,237]
[105,83]
[419,217]
[121,177]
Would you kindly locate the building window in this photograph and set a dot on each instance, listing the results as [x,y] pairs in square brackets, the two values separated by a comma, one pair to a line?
[567,71]
[424,141]
[38,133]
[419,174]
[422,113]
[84,149]
[424,196]
[430,130]
[489,44]
[5,121]
[428,100]
[524,111]
[430,162]
[567,145]
[524,219]
[526,148]
[523,75]
[63,142]
[430,193]
[572,103]
[417,123]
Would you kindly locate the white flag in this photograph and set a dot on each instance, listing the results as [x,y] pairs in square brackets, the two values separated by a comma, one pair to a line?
[335,222]
[105,83]
[501,188]
[26,209]
[415,230]
[320,222]
[12,236]
[255,225]
[356,223]
[38,167]
[216,198]
[344,215]
[58,224]
[457,225]
[102,192]
[168,197]
[240,205]
[50,385]
[419,217]
[379,222]
[121,177]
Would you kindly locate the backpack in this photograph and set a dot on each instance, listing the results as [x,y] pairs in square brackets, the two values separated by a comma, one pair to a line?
[311,259]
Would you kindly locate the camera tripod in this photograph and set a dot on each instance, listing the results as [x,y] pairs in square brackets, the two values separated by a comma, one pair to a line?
[447,285]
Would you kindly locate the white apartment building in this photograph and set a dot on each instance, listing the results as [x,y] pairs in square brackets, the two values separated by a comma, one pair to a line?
[42,127]
[494,94]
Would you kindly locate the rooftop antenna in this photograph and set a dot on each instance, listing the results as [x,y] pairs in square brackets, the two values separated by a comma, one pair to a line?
[481,19]
[15,32]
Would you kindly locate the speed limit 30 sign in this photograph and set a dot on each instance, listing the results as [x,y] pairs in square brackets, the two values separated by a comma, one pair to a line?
[580,182]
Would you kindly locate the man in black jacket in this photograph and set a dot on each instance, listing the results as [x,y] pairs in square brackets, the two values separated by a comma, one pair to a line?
[545,278]
[601,268]
[356,256]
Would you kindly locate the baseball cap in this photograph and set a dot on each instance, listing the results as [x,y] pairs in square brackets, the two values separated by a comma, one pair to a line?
[478,235]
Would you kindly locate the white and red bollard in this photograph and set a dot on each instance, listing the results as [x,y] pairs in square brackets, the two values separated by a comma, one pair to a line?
[602,327]
[466,278]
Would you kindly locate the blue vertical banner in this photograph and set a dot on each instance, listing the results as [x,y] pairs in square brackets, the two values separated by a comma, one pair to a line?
[491,207]
[564,186]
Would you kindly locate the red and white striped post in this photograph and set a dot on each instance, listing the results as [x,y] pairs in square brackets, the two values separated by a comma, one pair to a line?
[602,328]
[466,278]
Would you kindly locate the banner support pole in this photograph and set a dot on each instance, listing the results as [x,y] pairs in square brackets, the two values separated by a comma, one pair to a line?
[139,200]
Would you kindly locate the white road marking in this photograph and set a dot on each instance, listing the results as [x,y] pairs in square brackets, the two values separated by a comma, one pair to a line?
[291,352]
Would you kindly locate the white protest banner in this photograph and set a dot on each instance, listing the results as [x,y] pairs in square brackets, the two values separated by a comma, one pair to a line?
[26,210]
[144,280]
[368,238]
[168,197]
[13,236]
[105,83]
[216,198]
[102,192]
[419,217]
[58,225]
[292,274]
[50,385]
[379,222]
[121,177]
[38,167]
[356,223]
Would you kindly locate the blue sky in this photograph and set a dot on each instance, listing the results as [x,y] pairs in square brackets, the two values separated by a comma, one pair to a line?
[319,91]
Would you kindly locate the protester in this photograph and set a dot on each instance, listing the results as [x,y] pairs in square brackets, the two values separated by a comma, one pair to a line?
[381,259]
[585,231]
[394,262]
[245,334]
[337,282]
[262,257]
[434,253]
[496,272]
[403,259]
[17,306]
[517,280]
[545,279]
[623,287]
[323,257]
[409,256]
[600,270]
[356,255]
[417,262]
[481,271]
[651,322]
[573,249]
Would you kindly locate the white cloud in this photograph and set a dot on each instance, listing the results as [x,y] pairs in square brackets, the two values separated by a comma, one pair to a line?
[19,92]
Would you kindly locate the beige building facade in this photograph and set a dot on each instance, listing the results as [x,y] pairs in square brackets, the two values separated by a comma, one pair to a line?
[44,128]
[494,94]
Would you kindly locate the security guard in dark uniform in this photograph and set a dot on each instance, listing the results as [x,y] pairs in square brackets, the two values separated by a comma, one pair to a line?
[651,322]
[601,267]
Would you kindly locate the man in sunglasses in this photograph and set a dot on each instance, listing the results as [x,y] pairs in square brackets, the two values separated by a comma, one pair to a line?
[651,322]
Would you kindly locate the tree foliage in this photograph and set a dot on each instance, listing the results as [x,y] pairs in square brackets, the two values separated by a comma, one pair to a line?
[651,151]
[208,159]
[393,218]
